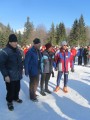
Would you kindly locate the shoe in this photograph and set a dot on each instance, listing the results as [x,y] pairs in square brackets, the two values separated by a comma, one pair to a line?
[18,101]
[57,88]
[48,91]
[10,106]
[34,99]
[42,93]
[65,89]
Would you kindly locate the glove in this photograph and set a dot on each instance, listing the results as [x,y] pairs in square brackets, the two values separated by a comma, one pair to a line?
[7,79]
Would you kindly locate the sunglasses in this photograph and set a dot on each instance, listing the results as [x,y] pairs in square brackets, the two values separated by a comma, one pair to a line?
[65,45]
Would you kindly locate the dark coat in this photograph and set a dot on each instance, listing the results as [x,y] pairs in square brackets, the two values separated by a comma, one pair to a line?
[32,62]
[11,63]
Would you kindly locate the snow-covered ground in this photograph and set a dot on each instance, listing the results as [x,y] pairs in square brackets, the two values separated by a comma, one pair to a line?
[74,105]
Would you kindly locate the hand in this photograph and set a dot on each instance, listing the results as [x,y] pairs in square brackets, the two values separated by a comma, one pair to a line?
[7,79]
[55,69]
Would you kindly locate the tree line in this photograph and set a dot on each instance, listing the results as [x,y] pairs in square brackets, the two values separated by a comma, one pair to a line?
[78,34]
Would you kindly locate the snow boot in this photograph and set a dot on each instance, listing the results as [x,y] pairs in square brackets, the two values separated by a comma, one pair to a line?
[10,106]
[57,88]
[18,100]
[65,89]
[42,93]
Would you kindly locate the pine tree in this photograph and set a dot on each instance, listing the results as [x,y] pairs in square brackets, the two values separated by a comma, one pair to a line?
[19,37]
[74,34]
[62,32]
[52,34]
[82,31]
[28,27]
[57,35]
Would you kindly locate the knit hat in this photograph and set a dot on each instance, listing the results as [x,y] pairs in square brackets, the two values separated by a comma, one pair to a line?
[48,45]
[36,41]
[63,43]
[12,38]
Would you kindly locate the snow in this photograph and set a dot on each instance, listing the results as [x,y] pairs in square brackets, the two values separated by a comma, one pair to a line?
[74,105]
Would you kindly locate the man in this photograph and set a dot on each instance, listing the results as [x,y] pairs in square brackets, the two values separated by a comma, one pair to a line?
[11,68]
[32,67]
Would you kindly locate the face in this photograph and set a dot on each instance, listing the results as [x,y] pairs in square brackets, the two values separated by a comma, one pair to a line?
[50,49]
[37,45]
[13,44]
[65,47]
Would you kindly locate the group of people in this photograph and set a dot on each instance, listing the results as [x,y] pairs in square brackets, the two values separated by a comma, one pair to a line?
[35,63]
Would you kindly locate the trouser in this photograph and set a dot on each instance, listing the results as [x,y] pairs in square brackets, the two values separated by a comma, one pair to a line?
[79,60]
[33,84]
[13,89]
[85,60]
[65,78]
[45,77]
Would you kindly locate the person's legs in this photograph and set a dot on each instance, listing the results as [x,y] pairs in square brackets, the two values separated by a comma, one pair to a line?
[16,91]
[46,82]
[34,80]
[43,76]
[65,82]
[10,91]
[9,96]
[58,80]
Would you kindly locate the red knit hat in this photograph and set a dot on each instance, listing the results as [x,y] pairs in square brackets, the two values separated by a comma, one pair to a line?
[48,45]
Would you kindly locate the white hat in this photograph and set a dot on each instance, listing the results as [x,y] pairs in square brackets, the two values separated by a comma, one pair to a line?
[63,43]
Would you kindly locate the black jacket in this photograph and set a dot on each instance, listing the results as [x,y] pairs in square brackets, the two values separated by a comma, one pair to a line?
[11,63]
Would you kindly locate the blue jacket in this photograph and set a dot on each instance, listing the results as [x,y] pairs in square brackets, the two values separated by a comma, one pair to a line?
[32,62]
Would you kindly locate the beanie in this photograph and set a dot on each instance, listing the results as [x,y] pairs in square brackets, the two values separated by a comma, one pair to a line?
[63,43]
[12,38]
[48,45]
[36,41]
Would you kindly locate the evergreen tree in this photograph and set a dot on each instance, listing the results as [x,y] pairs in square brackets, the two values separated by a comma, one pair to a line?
[52,34]
[28,27]
[19,37]
[82,31]
[62,32]
[74,34]
[57,35]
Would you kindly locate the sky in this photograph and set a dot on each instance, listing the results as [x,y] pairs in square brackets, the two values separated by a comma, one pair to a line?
[43,12]
[74,105]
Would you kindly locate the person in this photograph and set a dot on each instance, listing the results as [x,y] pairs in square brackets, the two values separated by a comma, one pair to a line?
[46,68]
[62,60]
[32,67]
[85,55]
[80,55]
[89,54]
[11,67]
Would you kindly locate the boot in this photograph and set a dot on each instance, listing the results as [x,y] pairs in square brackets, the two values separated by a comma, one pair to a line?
[65,89]
[18,100]
[57,88]
[42,93]
[48,91]
[10,106]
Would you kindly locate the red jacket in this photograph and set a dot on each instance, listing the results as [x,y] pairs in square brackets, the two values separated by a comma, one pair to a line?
[62,60]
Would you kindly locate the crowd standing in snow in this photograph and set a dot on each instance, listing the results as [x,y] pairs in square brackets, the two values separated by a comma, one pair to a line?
[37,60]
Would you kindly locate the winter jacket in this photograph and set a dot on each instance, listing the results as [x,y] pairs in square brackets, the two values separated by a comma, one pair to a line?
[62,60]
[32,62]
[80,52]
[47,61]
[11,63]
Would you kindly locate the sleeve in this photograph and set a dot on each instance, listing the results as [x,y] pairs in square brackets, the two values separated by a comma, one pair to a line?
[3,63]
[27,62]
